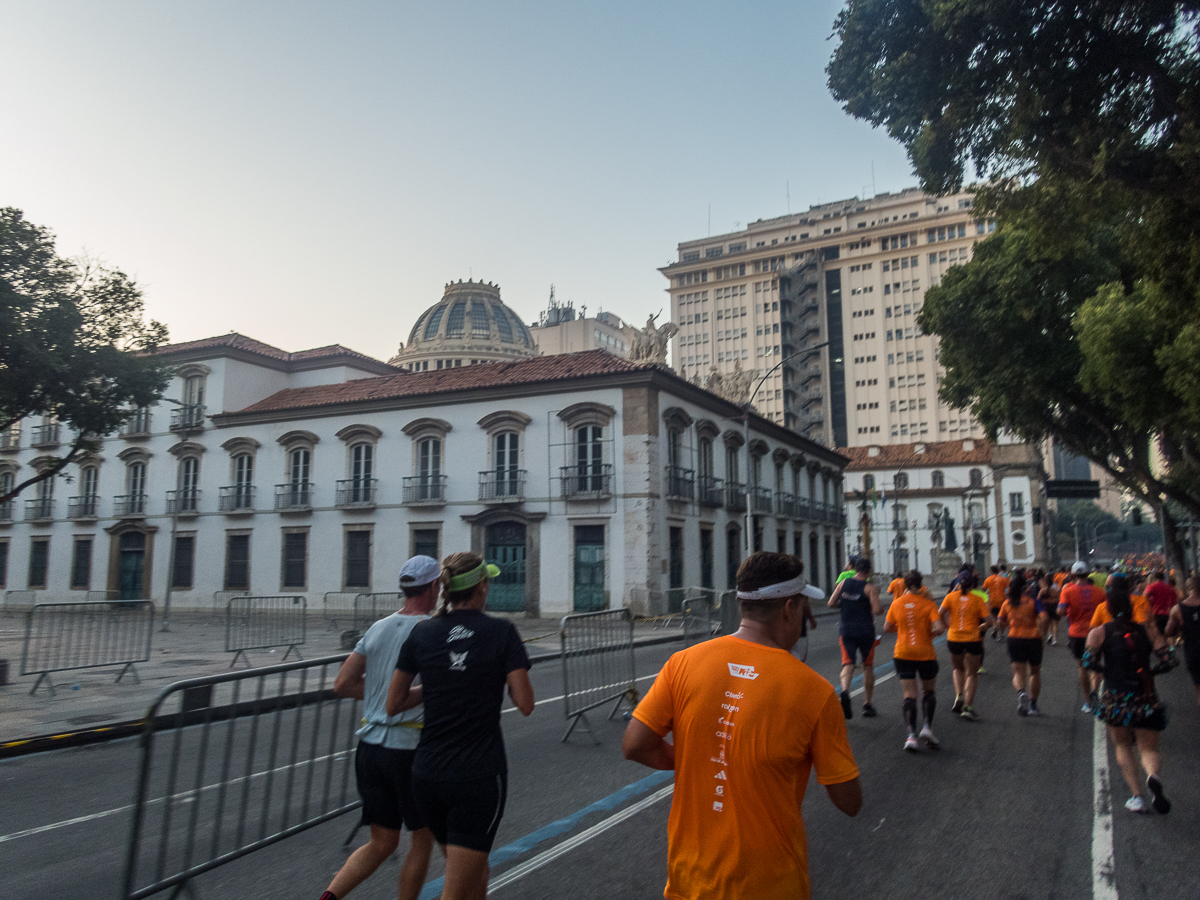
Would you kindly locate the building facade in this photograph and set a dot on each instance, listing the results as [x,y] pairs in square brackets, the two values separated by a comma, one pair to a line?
[932,506]
[560,330]
[592,481]
[846,281]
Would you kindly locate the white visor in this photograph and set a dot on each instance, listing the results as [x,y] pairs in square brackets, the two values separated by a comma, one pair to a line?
[788,588]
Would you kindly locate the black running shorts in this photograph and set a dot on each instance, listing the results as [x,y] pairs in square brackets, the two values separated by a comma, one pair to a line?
[463,812]
[1077,645]
[384,779]
[1192,661]
[1026,650]
[958,648]
[908,669]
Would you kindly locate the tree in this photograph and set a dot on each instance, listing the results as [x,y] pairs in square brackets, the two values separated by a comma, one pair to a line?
[73,343]
[1078,319]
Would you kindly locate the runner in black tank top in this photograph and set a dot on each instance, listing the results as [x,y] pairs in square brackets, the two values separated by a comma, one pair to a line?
[1185,622]
[858,600]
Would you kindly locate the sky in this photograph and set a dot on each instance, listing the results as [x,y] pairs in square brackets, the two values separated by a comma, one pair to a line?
[315,173]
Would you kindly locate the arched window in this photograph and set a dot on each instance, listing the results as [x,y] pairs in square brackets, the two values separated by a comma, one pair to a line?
[362,472]
[901,481]
[900,517]
[938,478]
[135,487]
[588,475]
[188,498]
[454,323]
[868,482]
[243,481]
[976,478]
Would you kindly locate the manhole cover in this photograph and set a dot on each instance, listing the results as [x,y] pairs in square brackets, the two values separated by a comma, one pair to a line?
[88,720]
[186,662]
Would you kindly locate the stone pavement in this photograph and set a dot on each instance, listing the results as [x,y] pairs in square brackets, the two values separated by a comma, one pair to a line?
[88,700]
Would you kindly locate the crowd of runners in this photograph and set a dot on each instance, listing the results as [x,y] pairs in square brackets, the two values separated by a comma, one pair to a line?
[1122,628]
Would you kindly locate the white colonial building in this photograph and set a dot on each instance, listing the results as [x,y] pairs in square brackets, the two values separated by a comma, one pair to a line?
[594,482]
[932,506]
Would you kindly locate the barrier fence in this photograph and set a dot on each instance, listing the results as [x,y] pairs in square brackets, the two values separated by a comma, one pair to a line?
[370,608]
[598,665]
[61,637]
[221,598]
[260,623]
[338,605]
[103,596]
[234,763]
[18,600]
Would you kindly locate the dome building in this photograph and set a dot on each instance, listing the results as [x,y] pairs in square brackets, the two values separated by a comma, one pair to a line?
[468,326]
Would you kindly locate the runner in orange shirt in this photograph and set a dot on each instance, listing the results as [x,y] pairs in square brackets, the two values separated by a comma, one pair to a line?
[1078,601]
[896,586]
[964,612]
[915,621]
[995,585]
[1025,619]
[750,722]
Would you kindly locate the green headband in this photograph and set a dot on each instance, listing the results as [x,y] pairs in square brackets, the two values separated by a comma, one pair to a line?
[472,578]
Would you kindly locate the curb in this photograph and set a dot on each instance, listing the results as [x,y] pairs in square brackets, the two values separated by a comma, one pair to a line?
[113,731]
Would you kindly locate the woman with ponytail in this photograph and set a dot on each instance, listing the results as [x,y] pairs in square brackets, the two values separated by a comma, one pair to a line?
[460,773]
[1025,618]
[1129,706]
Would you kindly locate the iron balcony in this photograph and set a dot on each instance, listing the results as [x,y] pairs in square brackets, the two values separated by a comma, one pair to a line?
[294,496]
[137,425]
[183,503]
[424,490]
[83,507]
[39,509]
[236,498]
[129,505]
[681,483]
[711,491]
[502,486]
[760,500]
[586,481]
[356,493]
[188,418]
[735,496]
[45,435]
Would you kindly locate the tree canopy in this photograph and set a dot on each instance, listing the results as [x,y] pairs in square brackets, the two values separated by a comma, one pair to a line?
[73,342]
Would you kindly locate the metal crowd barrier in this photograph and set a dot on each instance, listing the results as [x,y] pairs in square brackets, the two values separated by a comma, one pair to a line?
[221,598]
[259,623]
[102,596]
[598,665]
[13,599]
[729,613]
[60,637]
[370,608]
[234,763]
[338,605]
[699,623]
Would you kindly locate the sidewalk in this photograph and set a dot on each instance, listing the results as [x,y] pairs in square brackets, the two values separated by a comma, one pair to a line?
[88,703]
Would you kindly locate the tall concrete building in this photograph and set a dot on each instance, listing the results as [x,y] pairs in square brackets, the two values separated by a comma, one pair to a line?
[846,281]
[560,329]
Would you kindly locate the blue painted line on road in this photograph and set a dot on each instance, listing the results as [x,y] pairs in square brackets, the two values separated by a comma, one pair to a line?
[523,845]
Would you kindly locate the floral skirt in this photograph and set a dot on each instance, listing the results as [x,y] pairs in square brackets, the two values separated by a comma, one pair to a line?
[1131,710]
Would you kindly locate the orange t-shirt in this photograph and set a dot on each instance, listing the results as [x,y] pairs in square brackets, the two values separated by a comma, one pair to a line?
[995,585]
[966,611]
[1081,601]
[749,724]
[1023,621]
[1060,577]
[896,588]
[1141,612]
[913,616]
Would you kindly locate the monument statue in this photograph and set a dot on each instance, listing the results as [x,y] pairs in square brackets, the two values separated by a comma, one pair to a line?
[650,344]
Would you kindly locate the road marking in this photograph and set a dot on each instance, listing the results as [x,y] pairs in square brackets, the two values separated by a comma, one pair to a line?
[29,832]
[583,837]
[561,696]
[1104,876]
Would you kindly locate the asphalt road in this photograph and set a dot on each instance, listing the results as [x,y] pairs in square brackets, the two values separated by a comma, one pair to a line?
[1005,810]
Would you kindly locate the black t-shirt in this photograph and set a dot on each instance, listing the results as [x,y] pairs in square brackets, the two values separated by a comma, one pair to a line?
[463,658]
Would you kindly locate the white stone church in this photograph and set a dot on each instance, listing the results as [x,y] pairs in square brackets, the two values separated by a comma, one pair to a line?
[594,482]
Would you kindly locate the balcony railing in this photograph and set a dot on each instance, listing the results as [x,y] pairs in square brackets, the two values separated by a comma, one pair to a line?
[356,492]
[711,491]
[760,500]
[804,508]
[138,425]
[236,498]
[504,486]
[589,481]
[10,439]
[735,496]
[188,418]
[681,483]
[46,435]
[183,503]
[39,509]
[6,511]
[424,490]
[85,507]
[129,505]
[785,504]
[294,496]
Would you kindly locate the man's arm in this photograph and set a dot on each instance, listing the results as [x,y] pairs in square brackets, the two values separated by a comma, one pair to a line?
[351,678]
[846,796]
[873,595]
[641,744]
[520,690]
[400,693]
[836,597]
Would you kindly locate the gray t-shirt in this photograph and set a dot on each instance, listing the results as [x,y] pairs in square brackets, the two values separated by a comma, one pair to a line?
[381,646]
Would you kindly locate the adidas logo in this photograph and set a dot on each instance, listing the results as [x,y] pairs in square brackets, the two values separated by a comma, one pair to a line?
[459,633]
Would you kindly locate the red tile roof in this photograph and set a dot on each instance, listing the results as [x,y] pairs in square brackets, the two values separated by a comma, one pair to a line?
[235,341]
[905,456]
[540,369]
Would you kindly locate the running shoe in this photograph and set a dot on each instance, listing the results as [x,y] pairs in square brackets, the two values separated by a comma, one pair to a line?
[1022,704]
[847,711]
[958,704]
[869,711]
[1033,710]
[1086,708]
[910,744]
[968,713]
[1158,799]
[1136,805]
[1052,641]
[980,671]
[930,741]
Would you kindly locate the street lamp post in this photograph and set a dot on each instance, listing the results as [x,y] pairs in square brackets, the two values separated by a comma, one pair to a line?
[807,351]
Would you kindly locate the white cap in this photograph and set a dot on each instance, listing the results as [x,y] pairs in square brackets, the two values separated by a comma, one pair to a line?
[1079,569]
[418,571]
